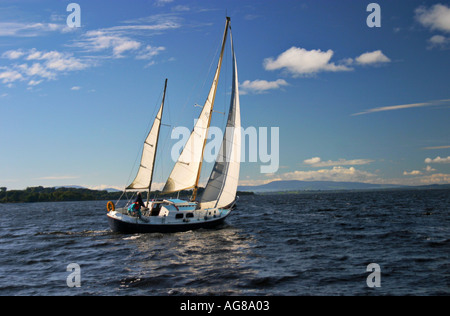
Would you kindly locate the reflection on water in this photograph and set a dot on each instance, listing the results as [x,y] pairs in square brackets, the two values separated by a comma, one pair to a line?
[191,262]
[304,244]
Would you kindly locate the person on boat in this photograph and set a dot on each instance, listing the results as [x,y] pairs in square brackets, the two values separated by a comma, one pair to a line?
[139,200]
[135,210]
[137,205]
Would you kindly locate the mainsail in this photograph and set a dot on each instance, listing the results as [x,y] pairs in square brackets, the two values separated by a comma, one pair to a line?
[186,172]
[144,175]
[222,184]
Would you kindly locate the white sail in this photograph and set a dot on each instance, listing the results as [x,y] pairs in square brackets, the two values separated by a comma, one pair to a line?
[186,172]
[222,184]
[145,173]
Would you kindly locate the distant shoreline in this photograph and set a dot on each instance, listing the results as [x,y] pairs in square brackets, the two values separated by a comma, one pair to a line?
[68,194]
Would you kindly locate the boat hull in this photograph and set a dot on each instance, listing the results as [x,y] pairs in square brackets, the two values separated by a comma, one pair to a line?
[120,226]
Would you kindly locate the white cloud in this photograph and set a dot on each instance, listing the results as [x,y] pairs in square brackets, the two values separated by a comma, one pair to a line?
[181,8]
[37,65]
[155,22]
[300,62]
[412,173]
[392,108]
[161,3]
[102,187]
[438,160]
[335,174]
[10,76]
[125,46]
[260,86]
[30,29]
[317,162]
[439,41]
[375,57]
[57,178]
[437,17]
[429,169]
[99,40]
[437,147]
[36,70]
[437,178]
[65,62]
[120,39]
[403,106]
[34,82]
[75,88]
[149,52]
[312,161]
[13,54]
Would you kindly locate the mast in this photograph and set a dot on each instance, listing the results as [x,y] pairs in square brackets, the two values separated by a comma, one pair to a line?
[156,145]
[221,188]
[216,80]
[144,176]
[186,172]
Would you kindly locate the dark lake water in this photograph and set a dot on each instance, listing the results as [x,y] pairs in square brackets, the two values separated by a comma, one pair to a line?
[304,244]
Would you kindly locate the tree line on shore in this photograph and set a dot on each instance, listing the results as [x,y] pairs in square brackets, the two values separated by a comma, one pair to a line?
[41,194]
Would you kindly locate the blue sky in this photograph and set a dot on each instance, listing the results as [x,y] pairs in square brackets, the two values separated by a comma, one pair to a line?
[352,103]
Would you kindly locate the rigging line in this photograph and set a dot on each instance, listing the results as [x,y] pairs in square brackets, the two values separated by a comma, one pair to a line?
[159,161]
[195,87]
[139,151]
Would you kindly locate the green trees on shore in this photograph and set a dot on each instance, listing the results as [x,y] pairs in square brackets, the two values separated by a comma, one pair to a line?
[41,194]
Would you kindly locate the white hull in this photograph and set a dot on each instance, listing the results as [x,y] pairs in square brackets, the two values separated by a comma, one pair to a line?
[172,216]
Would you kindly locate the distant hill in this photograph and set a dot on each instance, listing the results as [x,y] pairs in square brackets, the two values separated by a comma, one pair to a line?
[296,185]
[110,190]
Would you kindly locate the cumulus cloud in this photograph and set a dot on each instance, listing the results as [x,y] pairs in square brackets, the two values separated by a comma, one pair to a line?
[412,173]
[421,179]
[10,76]
[438,160]
[317,162]
[299,62]
[13,54]
[34,65]
[337,173]
[437,17]
[261,86]
[439,41]
[429,169]
[369,58]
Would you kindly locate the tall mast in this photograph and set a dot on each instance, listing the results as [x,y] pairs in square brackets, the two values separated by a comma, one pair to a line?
[156,145]
[216,79]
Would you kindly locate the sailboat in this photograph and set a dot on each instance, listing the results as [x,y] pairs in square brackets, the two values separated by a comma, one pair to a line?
[219,196]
